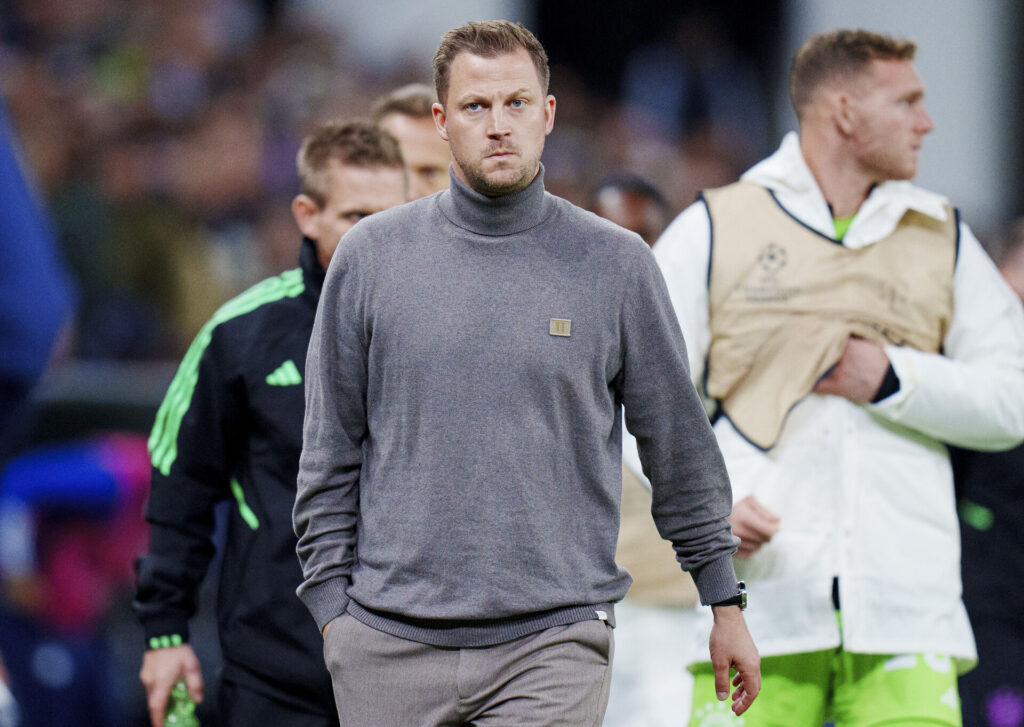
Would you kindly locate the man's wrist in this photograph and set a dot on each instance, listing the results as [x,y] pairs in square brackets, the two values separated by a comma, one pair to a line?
[739,599]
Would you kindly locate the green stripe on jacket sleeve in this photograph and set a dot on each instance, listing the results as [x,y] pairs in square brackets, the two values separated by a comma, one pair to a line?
[163,440]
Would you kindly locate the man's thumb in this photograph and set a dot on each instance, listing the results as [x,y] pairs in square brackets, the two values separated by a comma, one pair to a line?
[722,681]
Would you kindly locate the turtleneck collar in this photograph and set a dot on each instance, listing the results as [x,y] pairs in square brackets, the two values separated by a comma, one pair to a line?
[496,216]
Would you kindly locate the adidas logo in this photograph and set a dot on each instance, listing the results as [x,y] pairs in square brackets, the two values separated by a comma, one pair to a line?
[287,374]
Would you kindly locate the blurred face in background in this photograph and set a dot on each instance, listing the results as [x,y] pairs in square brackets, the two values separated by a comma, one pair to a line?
[352,193]
[633,211]
[495,118]
[425,153]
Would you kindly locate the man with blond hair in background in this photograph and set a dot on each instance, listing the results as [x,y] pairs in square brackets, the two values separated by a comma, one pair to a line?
[458,498]
[851,326]
[407,114]
[230,428]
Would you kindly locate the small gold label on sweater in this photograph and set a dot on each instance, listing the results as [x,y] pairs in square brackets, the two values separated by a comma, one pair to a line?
[560,327]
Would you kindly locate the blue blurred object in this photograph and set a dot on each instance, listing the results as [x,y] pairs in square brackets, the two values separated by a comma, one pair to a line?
[65,477]
[35,293]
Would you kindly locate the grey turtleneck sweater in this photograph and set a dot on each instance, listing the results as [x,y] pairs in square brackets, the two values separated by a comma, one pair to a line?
[461,467]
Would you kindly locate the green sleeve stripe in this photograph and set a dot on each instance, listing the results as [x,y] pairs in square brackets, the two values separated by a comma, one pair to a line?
[166,641]
[244,510]
[163,441]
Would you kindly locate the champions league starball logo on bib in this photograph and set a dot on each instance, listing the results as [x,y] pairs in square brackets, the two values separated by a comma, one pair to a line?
[762,284]
[771,259]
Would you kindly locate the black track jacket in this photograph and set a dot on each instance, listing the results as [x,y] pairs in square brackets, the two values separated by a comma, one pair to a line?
[230,428]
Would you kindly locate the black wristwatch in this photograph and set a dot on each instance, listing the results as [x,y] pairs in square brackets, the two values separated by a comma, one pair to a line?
[740,599]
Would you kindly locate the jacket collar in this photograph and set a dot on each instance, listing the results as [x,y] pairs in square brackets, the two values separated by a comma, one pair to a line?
[313,272]
[496,216]
[787,175]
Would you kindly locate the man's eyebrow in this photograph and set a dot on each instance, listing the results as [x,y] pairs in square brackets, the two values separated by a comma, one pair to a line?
[479,96]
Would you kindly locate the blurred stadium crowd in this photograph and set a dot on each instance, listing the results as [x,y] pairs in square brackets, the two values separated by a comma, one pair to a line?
[163,135]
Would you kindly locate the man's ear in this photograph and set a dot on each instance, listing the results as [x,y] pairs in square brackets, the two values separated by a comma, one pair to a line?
[845,113]
[305,211]
[549,114]
[440,120]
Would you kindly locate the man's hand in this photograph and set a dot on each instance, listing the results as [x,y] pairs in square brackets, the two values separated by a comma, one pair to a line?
[753,523]
[161,669]
[859,372]
[732,647]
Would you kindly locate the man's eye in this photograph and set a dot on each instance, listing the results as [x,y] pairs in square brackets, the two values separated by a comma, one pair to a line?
[518,103]
[472,106]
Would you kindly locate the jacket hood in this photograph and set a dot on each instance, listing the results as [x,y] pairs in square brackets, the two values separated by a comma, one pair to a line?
[787,175]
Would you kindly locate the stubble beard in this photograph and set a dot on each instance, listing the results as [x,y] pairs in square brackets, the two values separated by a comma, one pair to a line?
[479,181]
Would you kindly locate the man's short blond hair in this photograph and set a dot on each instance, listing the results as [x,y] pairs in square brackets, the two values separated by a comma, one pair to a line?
[840,54]
[488,38]
[415,100]
[353,143]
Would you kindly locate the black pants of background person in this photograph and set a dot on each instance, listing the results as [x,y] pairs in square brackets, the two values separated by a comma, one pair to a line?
[242,707]
[992,694]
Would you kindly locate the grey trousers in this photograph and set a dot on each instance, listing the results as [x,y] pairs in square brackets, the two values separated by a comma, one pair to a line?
[558,677]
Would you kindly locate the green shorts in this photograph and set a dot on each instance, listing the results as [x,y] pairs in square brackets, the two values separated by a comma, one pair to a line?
[851,690]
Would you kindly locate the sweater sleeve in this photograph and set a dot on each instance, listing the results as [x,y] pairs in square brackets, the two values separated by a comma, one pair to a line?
[194,441]
[691,495]
[971,395]
[335,426]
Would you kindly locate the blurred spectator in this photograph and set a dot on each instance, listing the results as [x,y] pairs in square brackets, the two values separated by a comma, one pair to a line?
[632,202]
[694,81]
[407,114]
[70,525]
[990,493]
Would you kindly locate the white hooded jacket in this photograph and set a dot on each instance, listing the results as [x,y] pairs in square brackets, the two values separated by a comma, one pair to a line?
[864,492]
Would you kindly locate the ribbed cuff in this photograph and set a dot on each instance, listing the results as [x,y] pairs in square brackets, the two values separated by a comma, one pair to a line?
[326,601]
[480,632]
[889,386]
[715,581]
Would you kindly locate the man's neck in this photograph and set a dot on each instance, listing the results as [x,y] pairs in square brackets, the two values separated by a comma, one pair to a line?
[841,181]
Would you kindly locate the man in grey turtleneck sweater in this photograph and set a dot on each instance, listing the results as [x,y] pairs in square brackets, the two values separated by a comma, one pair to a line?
[458,493]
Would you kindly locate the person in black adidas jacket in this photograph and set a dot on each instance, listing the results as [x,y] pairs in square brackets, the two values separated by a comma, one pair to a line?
[230,428]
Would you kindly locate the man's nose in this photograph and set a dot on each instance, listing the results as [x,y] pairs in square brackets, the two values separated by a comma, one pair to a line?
[925,123]
[498,125]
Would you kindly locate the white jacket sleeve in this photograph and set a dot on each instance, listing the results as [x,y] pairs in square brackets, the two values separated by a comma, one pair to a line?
[683,252]
[971,395]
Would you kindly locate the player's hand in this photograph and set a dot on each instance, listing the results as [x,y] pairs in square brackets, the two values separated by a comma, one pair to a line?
[859,372]
[161,669]
[753,523]
[732,647]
